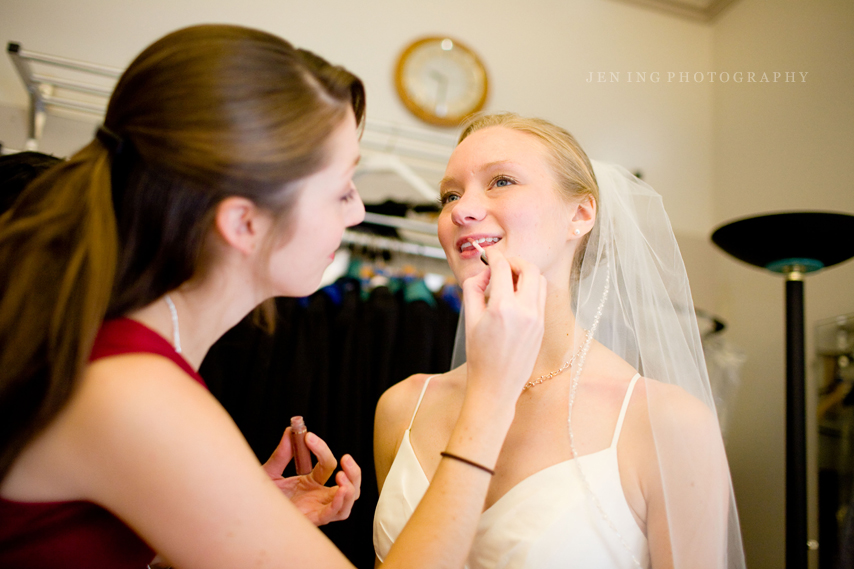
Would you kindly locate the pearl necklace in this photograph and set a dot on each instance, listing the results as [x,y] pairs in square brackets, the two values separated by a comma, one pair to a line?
[176,333]
[563,368]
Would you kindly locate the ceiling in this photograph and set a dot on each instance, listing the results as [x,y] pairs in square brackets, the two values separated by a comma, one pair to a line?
[703,10]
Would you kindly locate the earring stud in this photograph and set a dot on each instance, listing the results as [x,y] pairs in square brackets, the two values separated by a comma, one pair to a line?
[577,232]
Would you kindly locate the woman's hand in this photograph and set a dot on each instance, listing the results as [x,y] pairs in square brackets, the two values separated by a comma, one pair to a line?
[505,307]
[320,504]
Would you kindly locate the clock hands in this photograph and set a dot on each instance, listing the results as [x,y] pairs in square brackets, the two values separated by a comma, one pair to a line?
[441,92]
[440,80]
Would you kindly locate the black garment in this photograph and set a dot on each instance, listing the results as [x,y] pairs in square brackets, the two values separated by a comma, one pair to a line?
[330,358]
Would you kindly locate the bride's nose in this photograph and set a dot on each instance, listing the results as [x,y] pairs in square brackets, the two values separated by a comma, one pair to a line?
[470,207]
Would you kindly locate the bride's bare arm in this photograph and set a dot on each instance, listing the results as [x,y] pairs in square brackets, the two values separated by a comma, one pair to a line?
[684,478]
[394,410]
[503,339]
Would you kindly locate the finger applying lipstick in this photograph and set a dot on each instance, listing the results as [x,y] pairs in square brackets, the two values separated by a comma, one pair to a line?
[477,246]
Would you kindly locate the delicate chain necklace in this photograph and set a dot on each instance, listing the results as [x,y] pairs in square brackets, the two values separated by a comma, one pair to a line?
[563,368]
[176,333]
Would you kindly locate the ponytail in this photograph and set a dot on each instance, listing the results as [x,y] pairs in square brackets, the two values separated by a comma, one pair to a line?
[58,250]
[204,113]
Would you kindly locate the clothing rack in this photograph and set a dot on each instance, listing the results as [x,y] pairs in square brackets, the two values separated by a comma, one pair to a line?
[401,223]
[384,162]
[428,149]
[392,245]
[395,245]
[57,82]
[89,86]
[86,89]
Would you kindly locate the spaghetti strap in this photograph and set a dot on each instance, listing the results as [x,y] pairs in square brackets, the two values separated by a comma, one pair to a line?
[417,405]
[623,409]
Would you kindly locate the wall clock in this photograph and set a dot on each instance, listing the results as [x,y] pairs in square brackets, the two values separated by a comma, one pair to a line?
[440,80]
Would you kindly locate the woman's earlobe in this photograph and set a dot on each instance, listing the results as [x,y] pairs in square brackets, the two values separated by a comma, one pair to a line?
[238,223]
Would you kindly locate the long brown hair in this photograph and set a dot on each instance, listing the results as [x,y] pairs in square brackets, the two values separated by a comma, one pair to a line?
[204,113]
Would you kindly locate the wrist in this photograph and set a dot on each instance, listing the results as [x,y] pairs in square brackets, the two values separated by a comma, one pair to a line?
[464,460]
[491,397]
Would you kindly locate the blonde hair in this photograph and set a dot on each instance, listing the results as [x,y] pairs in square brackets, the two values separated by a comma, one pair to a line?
[573,173]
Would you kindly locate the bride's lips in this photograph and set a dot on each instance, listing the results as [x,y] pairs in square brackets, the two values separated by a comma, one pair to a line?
[468,251]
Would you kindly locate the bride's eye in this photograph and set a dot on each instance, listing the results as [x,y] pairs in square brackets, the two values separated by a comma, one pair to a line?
[448,198]
[502,181]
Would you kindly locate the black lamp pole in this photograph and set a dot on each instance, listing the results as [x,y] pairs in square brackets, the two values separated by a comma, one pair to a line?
[796,433]
[793,244]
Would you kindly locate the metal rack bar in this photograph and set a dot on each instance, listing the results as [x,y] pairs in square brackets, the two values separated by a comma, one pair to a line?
[72,85]
[401,223]
[84,66]
[37,111]
[72,104]
[406,140]
[412,133]
[393,245]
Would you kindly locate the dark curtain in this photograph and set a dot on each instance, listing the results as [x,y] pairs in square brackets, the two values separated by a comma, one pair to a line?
[330,358]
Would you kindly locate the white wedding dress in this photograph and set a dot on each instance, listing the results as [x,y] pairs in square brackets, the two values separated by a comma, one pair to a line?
[547,520]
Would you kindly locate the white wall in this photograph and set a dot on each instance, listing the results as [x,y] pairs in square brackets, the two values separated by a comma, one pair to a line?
[538,55]
[779,146]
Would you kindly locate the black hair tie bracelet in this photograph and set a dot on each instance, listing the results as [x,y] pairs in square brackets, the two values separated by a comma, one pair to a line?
[469,462]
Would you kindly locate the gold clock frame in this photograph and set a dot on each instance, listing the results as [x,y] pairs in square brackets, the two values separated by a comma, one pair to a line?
[425,114]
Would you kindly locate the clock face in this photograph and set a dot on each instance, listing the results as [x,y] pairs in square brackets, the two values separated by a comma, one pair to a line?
[441,81]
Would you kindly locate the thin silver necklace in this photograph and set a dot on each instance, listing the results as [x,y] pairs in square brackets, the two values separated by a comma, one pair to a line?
[176,332]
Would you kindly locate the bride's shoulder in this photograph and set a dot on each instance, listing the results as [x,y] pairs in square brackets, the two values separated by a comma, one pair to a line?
[677,406]
[657,396]
[671,394]
[397,405]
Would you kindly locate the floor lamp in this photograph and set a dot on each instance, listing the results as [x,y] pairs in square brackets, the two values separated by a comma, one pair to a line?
[792,244]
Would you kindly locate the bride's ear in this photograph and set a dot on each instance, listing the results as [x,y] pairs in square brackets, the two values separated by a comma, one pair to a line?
[241,224]
[583,217]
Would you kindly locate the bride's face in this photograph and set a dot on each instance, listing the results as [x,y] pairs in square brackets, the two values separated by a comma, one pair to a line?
[499,189]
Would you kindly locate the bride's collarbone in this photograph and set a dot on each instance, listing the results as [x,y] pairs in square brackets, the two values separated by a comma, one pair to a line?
[538,435]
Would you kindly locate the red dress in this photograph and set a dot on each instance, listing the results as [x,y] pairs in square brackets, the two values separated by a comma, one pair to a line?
[35,535]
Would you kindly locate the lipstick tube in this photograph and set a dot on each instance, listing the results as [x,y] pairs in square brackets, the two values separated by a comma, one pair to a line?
[302,456]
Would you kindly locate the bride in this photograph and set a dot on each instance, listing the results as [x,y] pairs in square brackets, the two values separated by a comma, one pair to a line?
[614,457]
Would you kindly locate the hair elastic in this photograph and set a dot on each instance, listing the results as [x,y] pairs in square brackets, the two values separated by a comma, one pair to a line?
[467,461]
[111,141]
